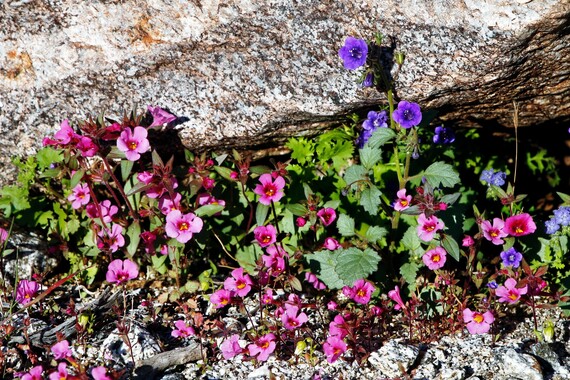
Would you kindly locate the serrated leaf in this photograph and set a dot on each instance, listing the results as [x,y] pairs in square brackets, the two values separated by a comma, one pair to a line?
[354,264]
[451,246]
[369,156]
[375,233]
[370,199]
[412,242]
[440,173]
[450,199]
[345,225]
[301,149]
[354,175]
[48,156]
[409,272]
[323,264]
[380,137]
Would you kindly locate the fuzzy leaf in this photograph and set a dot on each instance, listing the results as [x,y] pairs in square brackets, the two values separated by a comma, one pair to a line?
[354,264]
[370,199]
[441,173]
[354,175]
[380,137]
[375,233]
[409,273]
[412,242]
[208,210]
[261,214]
[323,264]
[345,225]
[369,156]
[134,234]
[47,156]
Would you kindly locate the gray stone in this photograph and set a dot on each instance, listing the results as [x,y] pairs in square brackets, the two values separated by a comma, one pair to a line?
[520,366]
[247,72]
[393,358]
[143,345]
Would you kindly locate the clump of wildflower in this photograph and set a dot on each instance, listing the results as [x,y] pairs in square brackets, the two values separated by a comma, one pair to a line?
[79,196]
[520,225]
[274,260]
[111,238]
[511,258]
[239,283]
[182,330]
[221,298]
[312,279]
[407,114]
[231,347]
[182,226]
[26,291]
[265,235]
[269,190]
[262,347]
[107,211]
[292,318]
[333,348]
[61,350]
[428,226]
[435,258]
[467,241]
[121,271]
[560,218]
[403,202]
[494,232]
[509,292]
[133,143]
[478,323]
[491,177]
[353,53]
[360,291]
[443,135]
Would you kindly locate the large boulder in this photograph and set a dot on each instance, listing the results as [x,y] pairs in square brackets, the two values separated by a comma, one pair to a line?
[244,72]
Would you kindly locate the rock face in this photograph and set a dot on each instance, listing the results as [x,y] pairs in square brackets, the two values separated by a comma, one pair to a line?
[246,72]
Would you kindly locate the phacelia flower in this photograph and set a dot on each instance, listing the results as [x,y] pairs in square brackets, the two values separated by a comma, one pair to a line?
[491,177]
[100,373]
[373,121]
[35,373]
[427,227]
[61,350]
[263,347]
[407,114]
[182,330]
[511,257]
[327,215]
[495,232]
[435,258]
[26,291]
[551,226]
[107,210]
[562,215]
[160,116]
[360,291]
[121,271]
[221,298]
[403,202]
[331,244]
[509,292]
[492,285]
[133,142]
[79,196]
[353,53]
[61,373]
[368,80]
[230,347]
[111,238]
[292,319]
[478,323]
[269,190]
[182,226]
[239,283]
[395,296]
[265,235]
[333,348]
[520,225]
[443,135]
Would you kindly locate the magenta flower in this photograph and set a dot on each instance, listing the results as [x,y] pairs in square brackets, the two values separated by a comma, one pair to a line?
[182,226]
[331,244]
[111,239]
[133,143]
[107,211]
[395,296]
[267,297]
[160,116]
[221,298]
[3,235]
[239,283]
[292,319]
[520,225]
[360,292]
[478,323]
[166,204]
[26,291]
[62,137]
[494,233]
[327,215]
[337,327]
[61,350]
[467,241]
[274,260]
[333,348]
[61,373]
[435,258]
[119,271]
[230,347]
[79,196]
[331,305]
[427,227]
[100,373]
[312,279]
[182,330]
[269,190]
[86,146]
[35,373]
[509,292]
[300,222]
[403,202]
[265,235]
[263,347]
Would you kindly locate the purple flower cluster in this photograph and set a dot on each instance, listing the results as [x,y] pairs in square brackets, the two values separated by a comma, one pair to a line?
[443,135]
[374,121]
[493,178]
[560,218]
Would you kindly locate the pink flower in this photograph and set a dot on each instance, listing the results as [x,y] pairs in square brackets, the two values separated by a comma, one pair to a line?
[86,146]
[267,297]
[327,215]
[79,196]
[494,233]
[333,348]
[269,190]
[338,327]
[182,226]
[520,225]
[292,319]
[509,292]
[100,373]
[208,183]
[313,280]
[182,330]
[263,347]
[133,143]
[166,204]
[239,283]
[62,137]
[274,260]
[395,296]
[435,258]
[265,235]
[221,298]
[360,292]
[26,291]
[3,235]
[300,222]
[111,239]
[160,116]
[231,347]
[403,201]
[331,244]
[478,323]
[120,271]
[35,373]
[61,350]
[107,210]
[61,373]
[427,227]
[467,241]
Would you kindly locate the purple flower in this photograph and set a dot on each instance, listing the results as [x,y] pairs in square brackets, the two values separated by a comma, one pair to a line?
[353,53]
[551,226]
[407,114]
[375,120]
[160,116]
[493,178]
[61,350]
[443,135]
[26,291]
[562,215]
[511,257]
[492,285]
[368,80]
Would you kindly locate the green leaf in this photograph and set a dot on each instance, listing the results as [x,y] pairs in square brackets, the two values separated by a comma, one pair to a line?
[380,137]
[451,246]
[224,172]
[17,196]
[77,176]
[369,156]
[126,168]
[297,209]
[345,225]
[134,234]
[48,156]
[354,175]
[375,233]
[261,214]
[409,273]
[301,149]
[354,264]
[441,173]
[247,257]
[370,199]
[323,264]
[208,210]
[412,242]
[158,263]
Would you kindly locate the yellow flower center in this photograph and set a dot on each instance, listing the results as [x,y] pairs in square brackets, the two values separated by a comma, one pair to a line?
[266,239]
[519,230]
[133,145]
[494,233]
[429,228]
[435,258]
[478,318]
[269,191]
[404,202]
[513,296]
[240,285]
[183,226]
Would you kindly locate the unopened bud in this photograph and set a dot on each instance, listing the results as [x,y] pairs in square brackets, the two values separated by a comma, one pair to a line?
[399,57]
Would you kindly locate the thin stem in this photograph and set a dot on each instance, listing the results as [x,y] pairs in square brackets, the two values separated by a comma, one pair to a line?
[121,190]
